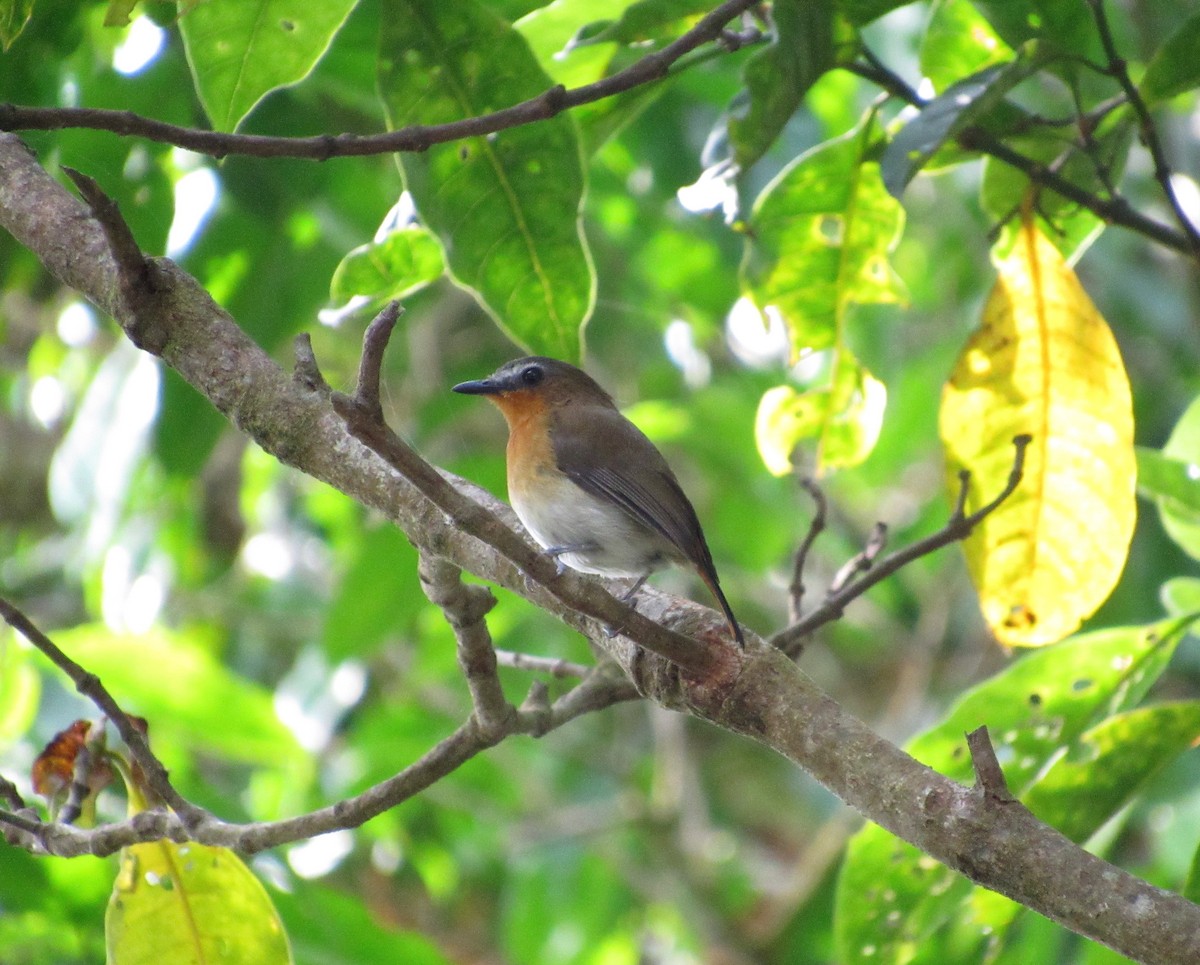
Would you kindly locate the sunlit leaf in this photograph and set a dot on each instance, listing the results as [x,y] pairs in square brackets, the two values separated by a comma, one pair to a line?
[190,904]
[1174,68]
[845,418]
[959,42]
[241,50]
[550,33]
[1060,709]
[506,207]
[820,235]
[14,14]
[1172,479]
[1181,595]
[118,12]
[648,20]
[1043,362]
[778,77]
[403,262]
[819,240]
[944,116]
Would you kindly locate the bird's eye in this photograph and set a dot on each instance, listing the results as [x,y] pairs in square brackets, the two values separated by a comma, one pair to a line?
[532,375]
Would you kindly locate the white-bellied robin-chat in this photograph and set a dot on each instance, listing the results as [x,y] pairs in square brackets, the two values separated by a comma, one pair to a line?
[588,485]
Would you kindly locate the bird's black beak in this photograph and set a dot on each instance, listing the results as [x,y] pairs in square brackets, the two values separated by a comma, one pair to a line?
[479,387]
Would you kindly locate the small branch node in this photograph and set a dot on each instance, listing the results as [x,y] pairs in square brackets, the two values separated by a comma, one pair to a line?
[989,777]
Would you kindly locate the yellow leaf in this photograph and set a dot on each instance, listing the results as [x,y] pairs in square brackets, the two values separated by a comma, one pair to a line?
[190,904]
[1043,362]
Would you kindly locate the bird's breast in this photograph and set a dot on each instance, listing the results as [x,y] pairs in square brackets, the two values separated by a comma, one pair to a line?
[605,539]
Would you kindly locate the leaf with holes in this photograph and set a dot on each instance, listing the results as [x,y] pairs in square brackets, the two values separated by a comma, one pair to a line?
[818,244]
[506,207]
[844,416]
[241,50]
[1064,706]
[1042,363]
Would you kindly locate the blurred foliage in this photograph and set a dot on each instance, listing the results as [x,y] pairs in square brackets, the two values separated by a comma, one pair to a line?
[274,633]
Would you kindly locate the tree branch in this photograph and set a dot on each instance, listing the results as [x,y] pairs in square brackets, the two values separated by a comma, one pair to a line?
[958,527]
[1115,210]
[765,697]
[649,69]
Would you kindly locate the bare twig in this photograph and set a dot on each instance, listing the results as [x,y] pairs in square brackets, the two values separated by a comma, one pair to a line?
[958,527]
[1119,71]
[554,666]
[862,561]
[649,69]
[138,274]
[796,590]
[89,685]
[989,777]
[465,608]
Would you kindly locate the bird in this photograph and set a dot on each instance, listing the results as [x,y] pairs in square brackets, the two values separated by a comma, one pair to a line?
[591,489]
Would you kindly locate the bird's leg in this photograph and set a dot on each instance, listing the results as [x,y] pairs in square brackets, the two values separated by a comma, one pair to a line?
[558,552]
[627,597]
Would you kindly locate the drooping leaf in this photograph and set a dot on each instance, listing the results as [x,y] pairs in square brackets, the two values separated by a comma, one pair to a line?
[403,262]
[820,235]
[1172,478]
[1060,717]
[1045,363]
[844,416]
[819,240]
[778,77]
[241,50]
[947,114]
[14,14]
[1174,68]
[190,904]
[506,207]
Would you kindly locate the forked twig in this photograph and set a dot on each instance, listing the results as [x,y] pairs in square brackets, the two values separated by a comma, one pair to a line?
[958,527]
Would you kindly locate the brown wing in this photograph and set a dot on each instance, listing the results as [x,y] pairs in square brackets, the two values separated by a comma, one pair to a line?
[633,475]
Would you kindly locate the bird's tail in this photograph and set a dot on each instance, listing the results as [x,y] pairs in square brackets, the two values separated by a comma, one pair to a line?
[709,577]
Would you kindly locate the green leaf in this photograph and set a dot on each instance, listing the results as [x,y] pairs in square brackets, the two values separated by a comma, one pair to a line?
[1181,595]
[403,262]
[844,416]
[185,692]
[190,903]
[20,690]
[118,12]
[1050,707]
[1191,890]
[241,50]
[506,207]
[778,77]
[861,12]
[818,244]
[14,14]
[1171,478]
[1068,26]
[819,240]
[959,42]
[1071,228]
[1174,68]
[648,20]
[948,114]
[1109,763]
[376,595]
